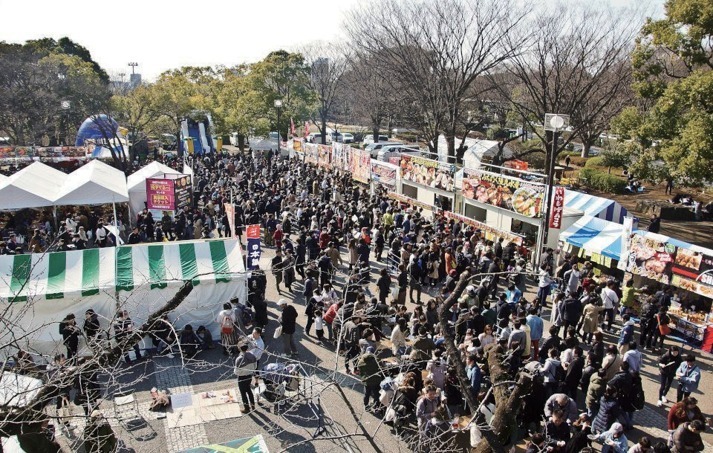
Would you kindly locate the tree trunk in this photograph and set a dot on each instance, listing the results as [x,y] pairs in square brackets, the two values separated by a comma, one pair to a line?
[241,142]
[585,148]
[375,131]
[324,129]
[451,141]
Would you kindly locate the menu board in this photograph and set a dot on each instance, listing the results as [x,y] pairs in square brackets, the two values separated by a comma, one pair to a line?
[491,234]
[383,173]
[651,258]
[507,192]
[693,271]
[160,194]
[323,155]
[360,165]
[182,194]
[427,172]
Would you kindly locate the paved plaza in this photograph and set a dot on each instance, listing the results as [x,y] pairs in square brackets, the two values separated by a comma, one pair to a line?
[293,430]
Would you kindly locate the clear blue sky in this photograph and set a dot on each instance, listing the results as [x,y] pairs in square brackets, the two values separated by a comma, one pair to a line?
[165,34]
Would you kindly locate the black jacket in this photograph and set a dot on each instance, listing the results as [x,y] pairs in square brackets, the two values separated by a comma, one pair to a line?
[289,319]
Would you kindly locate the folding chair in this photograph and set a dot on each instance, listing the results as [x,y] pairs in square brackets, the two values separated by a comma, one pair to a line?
[126,410]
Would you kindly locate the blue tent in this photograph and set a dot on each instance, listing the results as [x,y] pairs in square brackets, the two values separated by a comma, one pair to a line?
[97,127]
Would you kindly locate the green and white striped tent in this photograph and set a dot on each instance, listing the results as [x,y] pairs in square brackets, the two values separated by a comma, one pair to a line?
[38,290]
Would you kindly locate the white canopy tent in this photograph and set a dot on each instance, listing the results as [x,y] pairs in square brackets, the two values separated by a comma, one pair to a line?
[478,150]
[136,183]
[35,186]
[92,184]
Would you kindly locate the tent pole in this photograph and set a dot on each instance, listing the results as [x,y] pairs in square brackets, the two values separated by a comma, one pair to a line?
[116,221]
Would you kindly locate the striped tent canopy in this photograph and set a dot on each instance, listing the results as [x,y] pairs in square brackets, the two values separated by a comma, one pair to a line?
[175,262]
[60,275]
[590,205]
[56,275]
[595,236]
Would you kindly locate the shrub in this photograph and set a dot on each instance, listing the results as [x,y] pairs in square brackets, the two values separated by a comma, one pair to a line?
[601,181]
[577,160]
[597,161]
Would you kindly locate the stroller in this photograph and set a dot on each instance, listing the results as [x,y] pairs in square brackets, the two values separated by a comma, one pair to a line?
[281,381]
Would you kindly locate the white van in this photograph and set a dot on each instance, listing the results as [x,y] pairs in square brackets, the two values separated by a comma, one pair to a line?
[375,147]
[396,150]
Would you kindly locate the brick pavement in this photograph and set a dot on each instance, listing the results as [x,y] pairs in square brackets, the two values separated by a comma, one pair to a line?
[172,375]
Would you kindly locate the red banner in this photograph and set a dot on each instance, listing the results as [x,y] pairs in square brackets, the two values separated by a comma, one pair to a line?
[557,208]
[160,194]
[230,213]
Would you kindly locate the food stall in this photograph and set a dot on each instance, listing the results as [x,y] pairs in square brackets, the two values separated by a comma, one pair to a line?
[688,268]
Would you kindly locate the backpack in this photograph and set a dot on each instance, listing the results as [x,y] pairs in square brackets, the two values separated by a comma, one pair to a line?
[560,374]
[639,399]
[247,315]
[227,327]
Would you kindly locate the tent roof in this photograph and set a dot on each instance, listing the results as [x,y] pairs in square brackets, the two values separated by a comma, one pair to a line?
[596,236]
[590,205]
[35,186]
[264,145]
[138,178]
[94,183]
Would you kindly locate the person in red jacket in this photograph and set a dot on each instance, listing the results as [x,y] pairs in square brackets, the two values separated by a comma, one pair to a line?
[684,411]
[329,317]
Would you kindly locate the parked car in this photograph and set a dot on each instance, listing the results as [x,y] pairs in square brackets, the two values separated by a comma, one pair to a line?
[396,150]
[369,139]
[375,147]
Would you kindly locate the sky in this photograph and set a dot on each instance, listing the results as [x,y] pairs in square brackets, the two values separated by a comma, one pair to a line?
[165,34]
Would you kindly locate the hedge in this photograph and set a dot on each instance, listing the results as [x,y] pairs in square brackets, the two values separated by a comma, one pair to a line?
[602,181]
[597,161]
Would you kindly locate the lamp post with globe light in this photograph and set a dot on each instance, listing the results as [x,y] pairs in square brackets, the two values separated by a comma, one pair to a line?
[554,123]
[278,106]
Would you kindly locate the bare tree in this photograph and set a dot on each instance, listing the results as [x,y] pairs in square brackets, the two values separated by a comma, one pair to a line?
[574,63]
[436,50]
[327,64]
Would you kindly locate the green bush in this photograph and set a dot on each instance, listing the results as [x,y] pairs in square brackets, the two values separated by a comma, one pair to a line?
[597,161]
[601,181]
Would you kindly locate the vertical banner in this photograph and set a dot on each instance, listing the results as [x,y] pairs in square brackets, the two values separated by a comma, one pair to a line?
[306,134]
[230,213]
[253,235]
[160,194]
[557,208]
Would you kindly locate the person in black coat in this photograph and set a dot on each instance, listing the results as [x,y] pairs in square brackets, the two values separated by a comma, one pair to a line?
[288,321]
[384,285]
[91,326]
[70,334]
[574,373]
[608,411]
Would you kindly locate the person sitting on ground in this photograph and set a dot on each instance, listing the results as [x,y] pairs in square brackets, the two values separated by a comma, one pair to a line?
[206,338]
[189,341]
[160,400]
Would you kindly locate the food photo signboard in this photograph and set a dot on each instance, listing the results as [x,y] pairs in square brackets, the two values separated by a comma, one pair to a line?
[427,172]
[651,258]
[693,271]
[383,173]
[507,192]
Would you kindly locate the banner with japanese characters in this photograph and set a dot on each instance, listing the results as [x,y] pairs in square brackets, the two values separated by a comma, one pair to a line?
[230,213]
[324,154]
[428,172]
[254,251]
[557,208]
[160,194]
[360,165]
[507,192]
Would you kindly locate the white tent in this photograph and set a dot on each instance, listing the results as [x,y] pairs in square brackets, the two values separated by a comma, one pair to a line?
[35,186]
[478,150]
[136,183]
[38,290]
[92,184]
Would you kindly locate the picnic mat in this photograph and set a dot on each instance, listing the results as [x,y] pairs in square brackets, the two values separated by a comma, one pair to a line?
[255,444]
[193,409]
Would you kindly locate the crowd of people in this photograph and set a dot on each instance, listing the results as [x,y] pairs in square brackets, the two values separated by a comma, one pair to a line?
[585,387]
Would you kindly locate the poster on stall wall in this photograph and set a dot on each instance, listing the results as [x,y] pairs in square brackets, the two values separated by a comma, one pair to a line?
[311,153]
[428,172]
[631,223]
[491,234]
[297,145]
[182,186]
[230,213]
[160,195]
[650,258]
[507,192]
[323,155]
[383,173]
[254,252]
[557,208]
[341,156]
[693,271]
[360,165]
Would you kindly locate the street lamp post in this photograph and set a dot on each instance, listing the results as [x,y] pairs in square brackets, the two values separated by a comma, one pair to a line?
[278,106]
[554,123]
